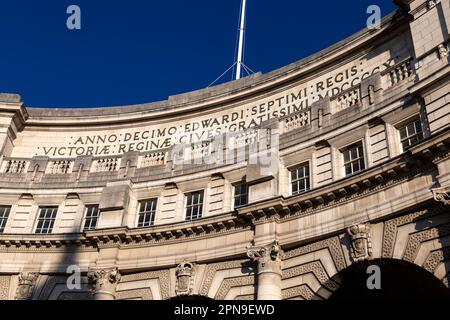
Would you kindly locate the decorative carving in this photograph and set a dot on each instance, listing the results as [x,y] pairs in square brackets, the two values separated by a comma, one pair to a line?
[185,279]
[317,269]
[104,280]
[303,291]
[211,270]
[432,3]
[443,51]
[229,283]
[435,258]
[332,244]
[391,226]
[162,276]
[268,257]
[415,240]
[143,294]
[4,287]
[361,242]
[27,281]
[441,195]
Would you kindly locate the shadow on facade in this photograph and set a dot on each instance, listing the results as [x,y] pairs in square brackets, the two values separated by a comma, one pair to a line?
[62,283]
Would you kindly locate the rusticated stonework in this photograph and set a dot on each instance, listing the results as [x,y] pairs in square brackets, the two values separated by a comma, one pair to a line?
[304,292]
[390,229]
[229,283]
[332,244]
[435,258]
[4,287]
[417,238]
[140,294]
[161,275]
[315,268]
[211,270]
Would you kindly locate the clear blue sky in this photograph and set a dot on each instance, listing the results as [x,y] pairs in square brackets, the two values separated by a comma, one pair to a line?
[138,51]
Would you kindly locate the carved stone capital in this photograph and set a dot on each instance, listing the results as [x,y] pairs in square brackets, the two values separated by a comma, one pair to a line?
[267,257]
[27,281]
[441,195]
[104,280]
[443,51]
[185,273]
[361,242]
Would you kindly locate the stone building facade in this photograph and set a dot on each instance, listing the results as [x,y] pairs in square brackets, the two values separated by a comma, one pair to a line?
[136,200]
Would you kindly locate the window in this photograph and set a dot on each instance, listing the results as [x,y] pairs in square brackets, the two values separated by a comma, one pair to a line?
[411,133]
[147,210]
[194,205]
[4,214]
[240,194]
[91,217]
[300,181]
[353,158]
[46,220]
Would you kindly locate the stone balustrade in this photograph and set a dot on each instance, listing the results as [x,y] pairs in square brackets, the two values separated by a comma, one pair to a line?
[14,166]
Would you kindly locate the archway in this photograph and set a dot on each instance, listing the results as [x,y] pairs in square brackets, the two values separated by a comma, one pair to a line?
[399,280]
[191,297]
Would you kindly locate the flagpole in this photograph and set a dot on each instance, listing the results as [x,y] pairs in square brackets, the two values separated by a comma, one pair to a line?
[241,41]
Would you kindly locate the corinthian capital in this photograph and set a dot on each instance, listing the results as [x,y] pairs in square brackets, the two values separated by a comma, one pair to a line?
[267,257]
[104,280]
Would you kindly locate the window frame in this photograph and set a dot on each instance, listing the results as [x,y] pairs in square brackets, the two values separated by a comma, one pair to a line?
[187,206]
[52,220]
[151,213]
[83,225]
[309,177]
[404,124]
[362,157]
[236,184]
[5,213]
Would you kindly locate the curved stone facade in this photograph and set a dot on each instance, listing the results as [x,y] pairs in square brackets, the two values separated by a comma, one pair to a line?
[263,188]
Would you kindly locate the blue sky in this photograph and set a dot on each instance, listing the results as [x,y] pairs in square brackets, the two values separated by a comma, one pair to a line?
[140,51]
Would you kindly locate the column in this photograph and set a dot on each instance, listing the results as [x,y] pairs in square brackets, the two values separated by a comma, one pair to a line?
[104,283]
[269,270]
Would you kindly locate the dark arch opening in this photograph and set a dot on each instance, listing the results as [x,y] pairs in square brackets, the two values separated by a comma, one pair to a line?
[193,297]
[399,280]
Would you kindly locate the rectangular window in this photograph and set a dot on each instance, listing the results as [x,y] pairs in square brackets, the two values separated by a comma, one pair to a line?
[194,205]
[147,211]
[4,215]
[300,181]
[240,194]
[46,219]
[353,158]
[91,217]
[411,133]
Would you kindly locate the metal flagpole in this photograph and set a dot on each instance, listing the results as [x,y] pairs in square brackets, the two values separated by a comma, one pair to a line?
[241,41]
